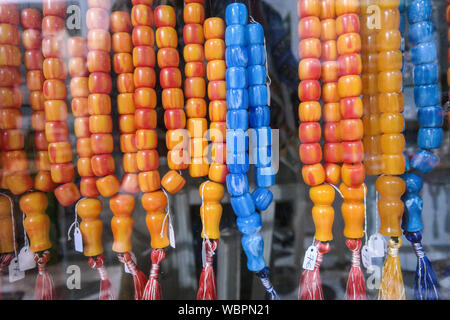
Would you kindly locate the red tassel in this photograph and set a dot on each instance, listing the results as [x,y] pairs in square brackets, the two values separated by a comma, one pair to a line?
[106,288]
[139,278]
[45,288]
[152,289]
[207,284]
[5,260]
[356,287]
[310,283]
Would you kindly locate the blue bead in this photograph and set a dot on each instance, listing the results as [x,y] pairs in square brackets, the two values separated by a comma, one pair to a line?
[429,138]
[265,177]
[402,5]
[238,163]
[419,10]
[236,56]
[250,224]
[236,78]
[262,157]
[237,184]
[421,32]
[262,197]
[237,99]
[256,55]
[425,74]
[236,13]
[255,33]
[235,35]
[413,207]
[430,117]
[237,119]
[424,161]
[237,141]
[259,116]
[258,96]
[414,182]
[243,206]
[407,162]
[253,246]
[424,53]
[427,95]
[257,75]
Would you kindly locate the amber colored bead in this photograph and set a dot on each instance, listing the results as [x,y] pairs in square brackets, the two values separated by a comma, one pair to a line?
[217,90]
[122,42]
[195,108]
[99,40]
[347,6]
[323,213]
[67,194]
[332,132]
[79,87]
[389,60]
[77,67]
[146,139]
[54,89]
[313,174]
[42,161]
[199,167]
[214,28]
[145,119]
[147,160]
[54,69]
[174,119]
[332,173]
[390,102]
[128,143]
[43,182]
[347,23]
[120,21]
[145,77]
[80,107]
[145,98]
[60,152]
[173,182]
[77,47]
[178,159]
[310,153]
[130,183]
[126,123]
[393,164]
[166,37]
[370,84]
[125,83]
[10,119]
[99,104]
[102,143]
[144,56]
[197,127]
[168,57]
[141,15]
[31,39]
[218,172]
[350,86]
[309,132]
[211,209]
[329,72]
[55,131]
[393,143]
[331,112]
[97,18]
[9,76]
[8,242]
[100,124]
[193,33]
[391,122]
[218,111]
[35,79]
[36,221]
[53,47]
[390,81]
[56,110]
[12,140]
[388,40]
[91,226]
[12,98]
[88,187]
[329,50]
[125,103]
[108,186]
[353,174]
[353,210]
[194,87]
[53,26]
[143,36]
[198,147]
[308,8]
[390,206]
[129,163]
[309,27]
[333,152]
[193,52]
[103,165]
[328,29]
[309,90]
[122,205]
[62,172]
[81,127]
[122,63]
[351,129]
[309,48]
[177,139]
[19,182]
[100,82]
[154,201]
[149,181]
[193,13]
[170,78]
[216,70]
[309,69]
[214,49]
[9,34]
[84,167]
[349,43]
[309,111]
[165,16]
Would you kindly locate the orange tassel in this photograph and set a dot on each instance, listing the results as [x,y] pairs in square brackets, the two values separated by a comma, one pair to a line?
[391,286]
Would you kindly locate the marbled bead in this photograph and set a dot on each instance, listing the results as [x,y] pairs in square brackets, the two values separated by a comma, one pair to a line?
[421,32]
[237,56]
[427,95]
[430,117]
[237,119]
[425,74]
[430,138]
[255,33]
[236,13]
[237,184]
[257,75]
[419,10]
[424,52]
[259,116]
[243,205]
[235,35]
[262,197]
[238,163]
[256,55]
[237,99]
[253,245]
[265,177]
[424,161]
[236,78]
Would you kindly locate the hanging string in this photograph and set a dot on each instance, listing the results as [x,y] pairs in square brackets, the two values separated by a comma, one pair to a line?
[106,288]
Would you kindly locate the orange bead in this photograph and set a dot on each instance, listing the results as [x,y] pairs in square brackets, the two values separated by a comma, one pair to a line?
[80,107]
[177,139]
[143,36]
[349,43]
[126,123]
[129,163]
[351,129]
[218,172]
[154,201]
[309,111]
[56,131]
[108,186]
[100,124]
[79,87]
[309,69]
[310,153]
[130,183]
[145,98]
[178,159]
[147,139]
[12,140]
[194,69]
[144,56]
[120,21]
[199,167]
[218,111]
[353,174]
[100,82]
[350,86]
[88,187]
[193,33]
[390,206]
[166,37]
[313,175]
[103,165]
[351,108]
[309,90]
[125,83]
[145,77]
[54,69]
[193,13]
[19,182]
[145,119]
[168,57]
[197,127]
[214,49]
[173,98]
[309,27]
[170,78]
[54,89]
[165,16]
[97,18]
[62,172]
[346,6]
[84,167]
[194,87]
[125,103]
[60,152]
[149,181]
[328,29]
[214,28]
[43,182]
[309,48]
[173,182]
[102,143]
[347,23]
[147,160]
[122,205]
[333,152]
[331,112]
[53,47]
[332,173]
[330,71]
[36,222]
[77,47]
[91,226]
[99,40]
[99,104]
[323,213]
[122,63]
[122,42]
[217,90]
[10,119]
[42,161]
[308,8]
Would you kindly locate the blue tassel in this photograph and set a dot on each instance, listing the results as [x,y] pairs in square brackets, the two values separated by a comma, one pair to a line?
[426,287]
[264,276]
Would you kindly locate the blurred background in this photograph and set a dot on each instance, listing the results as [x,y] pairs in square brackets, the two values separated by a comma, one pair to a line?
[287,224]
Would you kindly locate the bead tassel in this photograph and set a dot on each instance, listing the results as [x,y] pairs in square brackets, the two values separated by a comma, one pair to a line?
[391,286]
[106,288]
[152,289]
[5,260]
[139,278]
[356,287]
[45,288]
[207,283]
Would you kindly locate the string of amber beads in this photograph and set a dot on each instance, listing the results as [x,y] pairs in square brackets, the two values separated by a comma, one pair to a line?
[99,101]
[55,92]
[15,174]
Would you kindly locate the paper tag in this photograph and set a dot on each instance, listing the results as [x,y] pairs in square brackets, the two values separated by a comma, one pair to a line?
[26,259]
[133,257]
[366,256]
[171,234]
[78,240]
[15,273]
[376,244]
[310,258]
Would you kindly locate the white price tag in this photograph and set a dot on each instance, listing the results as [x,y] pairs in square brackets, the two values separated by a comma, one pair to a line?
[15,273]
[171,235]
[376,244]
[26,259]
[366,257]
[78,240]
[310,258]
[133,257]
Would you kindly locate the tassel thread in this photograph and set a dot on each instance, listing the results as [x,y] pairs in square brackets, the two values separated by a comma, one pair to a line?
[106,288]
[152,289]
[356,286]
[391,286]
[45,287]
[5,260]
[139,278]
[426,287]
[207,283]
[264,277]
[310,287]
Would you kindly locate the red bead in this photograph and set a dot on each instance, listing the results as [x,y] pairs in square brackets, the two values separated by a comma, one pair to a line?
[143,36]
[102,143]
[100,82]
[98,61]
[31,39]
[145,119]
[170,78]
[103,165]
[144,56]
[168,57]
[331,132]
[174,119]
[309,90]
[62,172]
[31,18]
[145,77]
[56,131]
[309,132]
[353,151]
[53,26]
[88,187]
[54,8]
[333,152]
[120,21]
[67,194]
[310,153]
[193,33]
[309,69]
